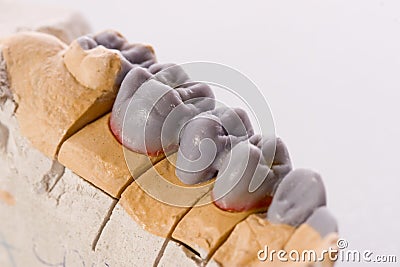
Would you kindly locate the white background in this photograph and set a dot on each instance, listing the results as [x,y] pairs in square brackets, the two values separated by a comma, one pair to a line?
[330,71]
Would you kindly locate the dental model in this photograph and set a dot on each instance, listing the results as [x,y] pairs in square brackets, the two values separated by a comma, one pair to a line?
[65,94]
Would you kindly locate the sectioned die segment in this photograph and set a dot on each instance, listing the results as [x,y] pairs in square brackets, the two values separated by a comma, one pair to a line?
[52,104]
[94,154]
[158,206]
[206,227]
[248,238]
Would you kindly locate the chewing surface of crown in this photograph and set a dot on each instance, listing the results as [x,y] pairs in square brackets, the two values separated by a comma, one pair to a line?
[52,104]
